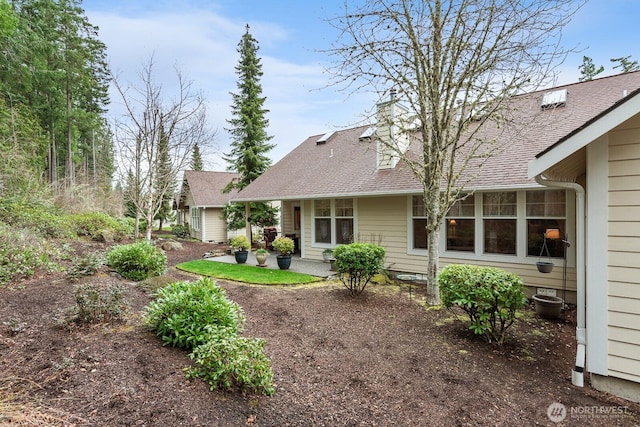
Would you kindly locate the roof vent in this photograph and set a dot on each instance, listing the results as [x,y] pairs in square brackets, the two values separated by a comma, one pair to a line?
[324,138]
[367,134]
[557,98]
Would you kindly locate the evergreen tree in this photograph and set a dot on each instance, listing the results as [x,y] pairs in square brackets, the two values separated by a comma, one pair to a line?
[248,131]
[165,183]
[588,70]
[250,141]
[196,159]
[625,64]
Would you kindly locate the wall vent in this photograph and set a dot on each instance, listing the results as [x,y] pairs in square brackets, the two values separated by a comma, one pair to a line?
[557,98]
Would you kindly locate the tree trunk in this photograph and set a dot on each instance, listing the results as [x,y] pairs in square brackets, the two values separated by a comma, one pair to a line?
[433,292]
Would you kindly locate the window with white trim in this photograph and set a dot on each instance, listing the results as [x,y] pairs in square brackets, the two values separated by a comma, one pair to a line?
[195,218]
[344,221]
[500,221]
[333,221]
[546,211]
[419,223]
[461,225]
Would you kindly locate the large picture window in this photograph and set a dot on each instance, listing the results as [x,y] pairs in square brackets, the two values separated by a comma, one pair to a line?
[461,225]
[546,211]
[419,223]
[500,220]
[333,221]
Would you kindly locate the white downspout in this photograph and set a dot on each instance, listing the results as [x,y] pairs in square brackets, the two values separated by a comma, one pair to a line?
[577,375]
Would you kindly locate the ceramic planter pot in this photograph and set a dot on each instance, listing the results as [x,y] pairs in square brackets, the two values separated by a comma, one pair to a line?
[262,259]
[241,256]
[548,306]
[284,261]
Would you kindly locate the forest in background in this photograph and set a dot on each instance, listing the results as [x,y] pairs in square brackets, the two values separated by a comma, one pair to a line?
[54,81]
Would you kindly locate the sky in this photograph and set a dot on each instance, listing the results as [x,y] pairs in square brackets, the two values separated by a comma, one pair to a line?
[200,38]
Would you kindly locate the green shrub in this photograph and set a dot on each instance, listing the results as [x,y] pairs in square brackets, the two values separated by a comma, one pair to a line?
[284,245]
[45,220]
[181,231]
[86,266]
[240,243]
[199,317]
[137,261]
[357,263]
[490,297]
[95,304]
[226,360]
[184,312]
[22,252]
[94,224]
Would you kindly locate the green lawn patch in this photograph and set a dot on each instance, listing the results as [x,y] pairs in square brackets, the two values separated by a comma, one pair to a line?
[246,273]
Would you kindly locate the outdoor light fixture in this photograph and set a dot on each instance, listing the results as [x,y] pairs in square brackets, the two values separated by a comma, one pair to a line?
[552,233]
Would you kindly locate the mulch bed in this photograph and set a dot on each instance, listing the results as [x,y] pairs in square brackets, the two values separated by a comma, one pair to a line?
[380,359]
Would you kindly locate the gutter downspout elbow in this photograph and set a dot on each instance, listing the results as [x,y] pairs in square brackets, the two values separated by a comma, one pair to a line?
[577,375]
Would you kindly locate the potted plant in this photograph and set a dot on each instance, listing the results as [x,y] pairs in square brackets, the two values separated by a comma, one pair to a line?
[241,246]
[261,257]
[285,246]
[327,254]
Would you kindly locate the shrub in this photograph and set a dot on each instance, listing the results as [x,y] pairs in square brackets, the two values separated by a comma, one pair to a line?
[22,252]
[95,304]
[94,224]
[137,261]
[227,359]
[86,266]
[184,313]
[181,231]
[490,297]
[284,245]
[198,316]
[357,263]
[45,220]
[240,243]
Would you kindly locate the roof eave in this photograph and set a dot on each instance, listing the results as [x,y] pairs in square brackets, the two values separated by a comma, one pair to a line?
[585,134]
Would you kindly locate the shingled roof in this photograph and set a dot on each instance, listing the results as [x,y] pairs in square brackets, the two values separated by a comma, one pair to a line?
[206,188]
[345,166]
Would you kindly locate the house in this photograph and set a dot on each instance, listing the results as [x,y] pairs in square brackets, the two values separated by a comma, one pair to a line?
[568,167]
[200,201]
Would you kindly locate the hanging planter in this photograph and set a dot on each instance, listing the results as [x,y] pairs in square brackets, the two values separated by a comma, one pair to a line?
[545,266]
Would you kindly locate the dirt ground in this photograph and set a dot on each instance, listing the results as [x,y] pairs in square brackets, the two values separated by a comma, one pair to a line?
[381,359]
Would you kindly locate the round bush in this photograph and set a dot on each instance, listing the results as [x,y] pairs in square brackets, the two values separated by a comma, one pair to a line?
[137,261]
[357,263]
[184,313]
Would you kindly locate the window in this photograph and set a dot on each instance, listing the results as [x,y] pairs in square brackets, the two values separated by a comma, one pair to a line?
[419,223]
[195,218]
[461,226]
[344,221]
[322,213]
[546,210]
[333,221]
[499,212]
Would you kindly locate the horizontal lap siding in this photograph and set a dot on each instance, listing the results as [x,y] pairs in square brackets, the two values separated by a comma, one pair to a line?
[624,254]
[215,227]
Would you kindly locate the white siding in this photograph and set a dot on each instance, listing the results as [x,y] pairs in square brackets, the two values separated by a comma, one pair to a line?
[624,253]
[215,227]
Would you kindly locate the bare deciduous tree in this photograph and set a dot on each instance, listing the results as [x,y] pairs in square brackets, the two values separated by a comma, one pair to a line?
[149,117]
[454,64]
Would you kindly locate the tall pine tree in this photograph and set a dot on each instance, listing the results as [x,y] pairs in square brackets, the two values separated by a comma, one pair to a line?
[196,159]
[250,141]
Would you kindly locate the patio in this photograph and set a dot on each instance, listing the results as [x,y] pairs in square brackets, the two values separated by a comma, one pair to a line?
[299,265]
